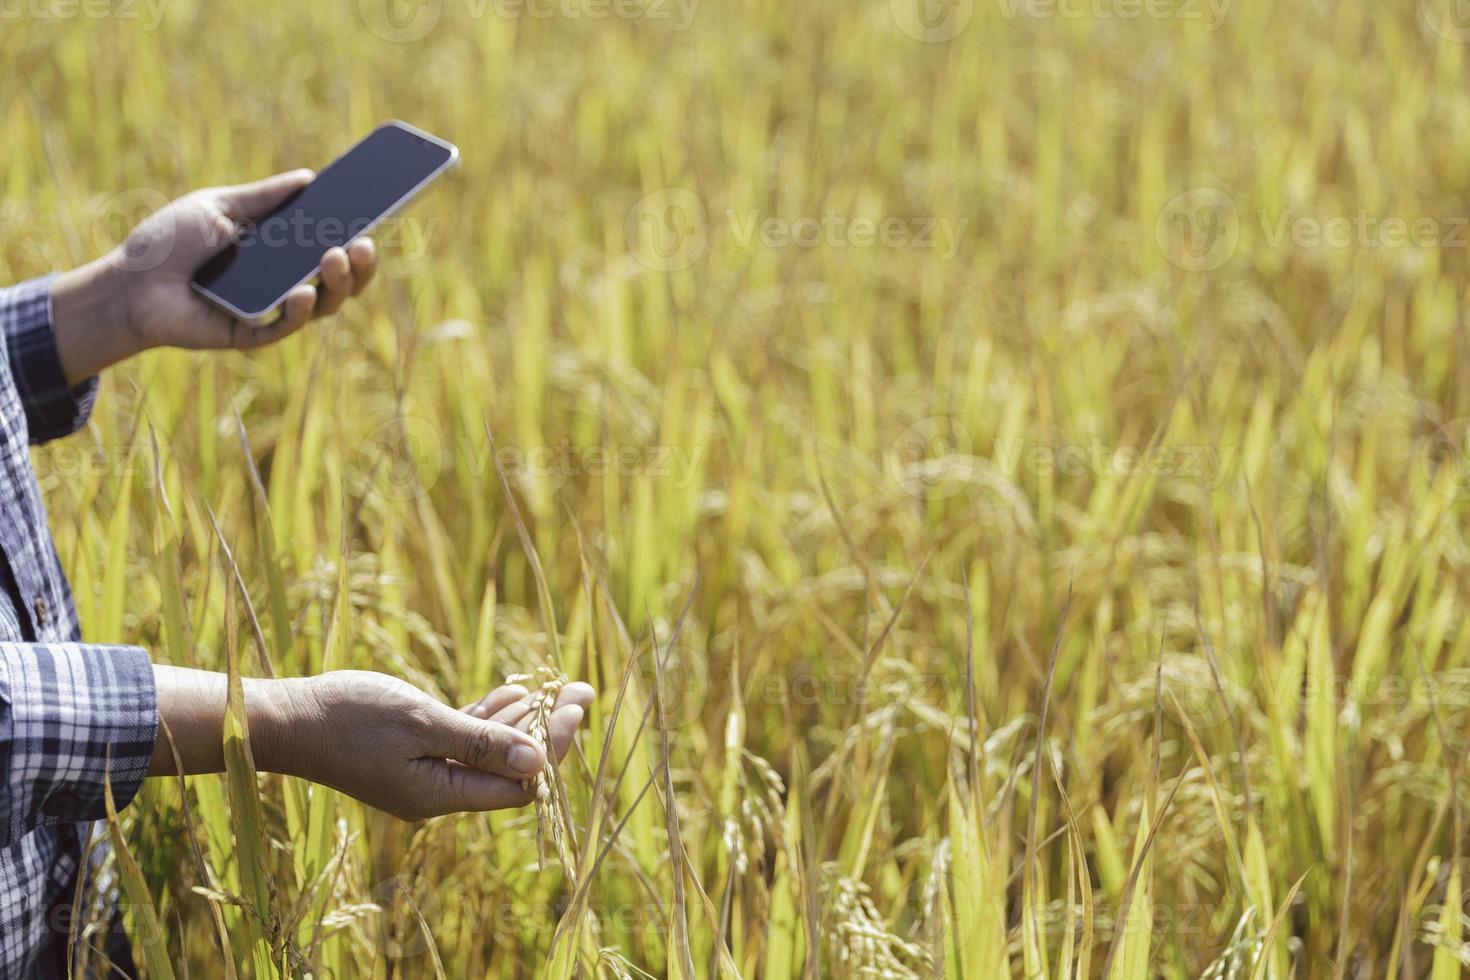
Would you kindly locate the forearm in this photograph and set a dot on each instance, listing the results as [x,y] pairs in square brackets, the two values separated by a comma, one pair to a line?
[372,736]
[191,709]
[75,719]
[89,317]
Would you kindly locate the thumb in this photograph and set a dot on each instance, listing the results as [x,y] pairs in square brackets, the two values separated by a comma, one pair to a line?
[485,745]
[257,199]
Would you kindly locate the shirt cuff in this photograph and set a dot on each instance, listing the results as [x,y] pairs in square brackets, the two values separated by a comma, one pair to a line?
[53,408]
[72,716]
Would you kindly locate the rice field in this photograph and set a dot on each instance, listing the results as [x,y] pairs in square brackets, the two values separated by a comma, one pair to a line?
[1003,466]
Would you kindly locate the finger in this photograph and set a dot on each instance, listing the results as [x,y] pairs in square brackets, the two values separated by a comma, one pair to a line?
[257,199]
[524,720]
[217,329]
[336,282]
[296,311]
[483,745]
[458,789]
[502,696]
[514,713]
[577,693]
[563,728]
[363,254]
[508,705]
[519,715]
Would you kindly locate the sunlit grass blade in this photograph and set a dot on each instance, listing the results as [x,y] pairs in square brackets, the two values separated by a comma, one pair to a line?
[150,932]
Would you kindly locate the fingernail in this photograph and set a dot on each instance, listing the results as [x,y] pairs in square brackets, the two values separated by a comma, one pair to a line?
[575,710]
[525,760]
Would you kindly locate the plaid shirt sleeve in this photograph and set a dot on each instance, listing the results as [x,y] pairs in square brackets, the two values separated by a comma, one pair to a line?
[53,408]
[72,715]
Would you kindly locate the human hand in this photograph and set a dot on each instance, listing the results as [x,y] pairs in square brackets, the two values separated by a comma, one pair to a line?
[138,295]
[160,256]
[388,744]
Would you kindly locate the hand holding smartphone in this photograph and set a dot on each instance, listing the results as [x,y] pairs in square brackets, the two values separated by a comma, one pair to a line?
[251,278]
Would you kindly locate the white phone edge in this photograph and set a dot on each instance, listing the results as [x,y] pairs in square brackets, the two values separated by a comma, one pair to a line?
[270,314]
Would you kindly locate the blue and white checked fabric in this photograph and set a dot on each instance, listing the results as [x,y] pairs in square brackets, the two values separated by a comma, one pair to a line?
[63,704]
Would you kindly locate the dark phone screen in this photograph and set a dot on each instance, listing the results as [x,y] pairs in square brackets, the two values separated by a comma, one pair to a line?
[287,245]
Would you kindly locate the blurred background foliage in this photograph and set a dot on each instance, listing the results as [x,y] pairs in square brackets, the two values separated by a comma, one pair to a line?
[1154,389]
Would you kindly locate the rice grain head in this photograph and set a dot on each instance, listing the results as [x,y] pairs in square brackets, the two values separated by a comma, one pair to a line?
[545,685]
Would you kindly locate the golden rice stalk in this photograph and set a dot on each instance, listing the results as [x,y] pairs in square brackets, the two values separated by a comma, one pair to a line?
[135,887]
[552,814]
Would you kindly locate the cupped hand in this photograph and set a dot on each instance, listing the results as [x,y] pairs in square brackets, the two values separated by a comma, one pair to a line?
[388,744]
[155,263]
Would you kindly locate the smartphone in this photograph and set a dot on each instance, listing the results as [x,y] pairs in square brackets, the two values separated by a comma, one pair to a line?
[250,279]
